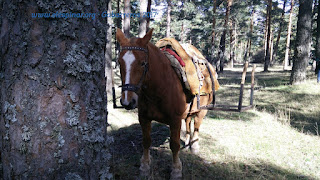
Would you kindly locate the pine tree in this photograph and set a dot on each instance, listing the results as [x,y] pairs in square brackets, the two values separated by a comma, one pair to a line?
[286,58]
[52,86]
[303,42]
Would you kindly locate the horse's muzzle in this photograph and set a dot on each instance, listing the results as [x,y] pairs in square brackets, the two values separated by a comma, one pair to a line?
[131,105]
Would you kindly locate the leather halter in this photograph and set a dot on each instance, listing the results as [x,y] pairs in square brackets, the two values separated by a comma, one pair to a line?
[145,65]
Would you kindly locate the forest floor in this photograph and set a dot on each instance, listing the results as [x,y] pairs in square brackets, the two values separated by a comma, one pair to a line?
[278,139]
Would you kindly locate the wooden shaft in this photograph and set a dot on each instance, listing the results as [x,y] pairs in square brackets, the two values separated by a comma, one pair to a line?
[252,84]
[243,79]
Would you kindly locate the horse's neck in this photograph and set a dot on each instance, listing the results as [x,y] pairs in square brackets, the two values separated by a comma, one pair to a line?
[161,72]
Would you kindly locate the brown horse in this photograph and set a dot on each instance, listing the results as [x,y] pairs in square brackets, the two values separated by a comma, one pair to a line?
[150,83]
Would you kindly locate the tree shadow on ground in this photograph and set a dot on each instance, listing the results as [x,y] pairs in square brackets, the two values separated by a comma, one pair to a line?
[263,79]
[271,97]
[298,116]
[127,150]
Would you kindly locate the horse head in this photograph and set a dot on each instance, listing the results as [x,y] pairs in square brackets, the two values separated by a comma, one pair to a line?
[133,60]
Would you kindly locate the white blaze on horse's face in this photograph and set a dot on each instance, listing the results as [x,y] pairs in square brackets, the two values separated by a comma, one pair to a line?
[129,58]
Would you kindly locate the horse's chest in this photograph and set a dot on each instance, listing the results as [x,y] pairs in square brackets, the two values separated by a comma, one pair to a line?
[150,111]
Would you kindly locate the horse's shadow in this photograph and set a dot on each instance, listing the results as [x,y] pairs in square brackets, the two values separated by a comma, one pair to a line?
[127,150]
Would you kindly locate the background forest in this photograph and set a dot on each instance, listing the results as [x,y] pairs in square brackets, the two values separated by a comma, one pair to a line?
[203,23]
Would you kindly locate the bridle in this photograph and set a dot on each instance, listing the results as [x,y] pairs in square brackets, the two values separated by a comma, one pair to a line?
[145,65]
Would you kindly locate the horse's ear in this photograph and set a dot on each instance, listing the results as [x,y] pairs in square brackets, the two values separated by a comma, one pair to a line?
[146,38]
[121,37]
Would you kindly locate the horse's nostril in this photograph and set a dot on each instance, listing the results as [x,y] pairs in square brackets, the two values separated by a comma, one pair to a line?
[133,102]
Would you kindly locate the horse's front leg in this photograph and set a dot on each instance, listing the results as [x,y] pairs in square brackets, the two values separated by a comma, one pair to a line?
[175,147]
[146,141]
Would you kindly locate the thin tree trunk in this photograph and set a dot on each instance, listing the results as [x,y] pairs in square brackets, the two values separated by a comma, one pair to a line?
[127,11]
[287,53]
[117,45]
[235,42]
[279,32]
[248,48]
[149,17]
[266,34]
[303,42]
[267,58]
[213,35]
[271,47]
[231,45]
[223,36]
[251,33]
[168,18]
[182,33]
[318,34]
[143,19]
[52,93]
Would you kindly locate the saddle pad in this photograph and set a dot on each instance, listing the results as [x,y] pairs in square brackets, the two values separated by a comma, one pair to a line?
[178,69]
[175,55]
[190,69]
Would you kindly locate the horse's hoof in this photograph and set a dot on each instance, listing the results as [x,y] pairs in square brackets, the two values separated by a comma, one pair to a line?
[187,141]
[176,174]
[195,148]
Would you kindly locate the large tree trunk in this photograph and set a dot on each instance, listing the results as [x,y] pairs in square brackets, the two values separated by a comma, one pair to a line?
[267,57]
[126,21]
[303,42]
[143,19]
[279,32]
[287,53]
[52,92]
[223,36]
[168,18]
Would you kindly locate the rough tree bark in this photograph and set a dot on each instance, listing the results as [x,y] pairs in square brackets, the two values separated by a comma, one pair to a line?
[118,23]
[108,52]
[168,18]
[52,92]
[223,36]
[267,57]
[287,53]
[279,32]
[303,42]
[143,19]
[126,21]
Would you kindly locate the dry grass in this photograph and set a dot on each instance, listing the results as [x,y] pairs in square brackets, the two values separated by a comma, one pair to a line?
[279,139]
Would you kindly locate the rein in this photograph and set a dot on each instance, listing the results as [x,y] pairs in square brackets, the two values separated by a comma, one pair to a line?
[145,65]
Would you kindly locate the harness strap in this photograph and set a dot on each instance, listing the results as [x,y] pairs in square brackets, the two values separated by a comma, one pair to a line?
[145,65]
[134,48]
